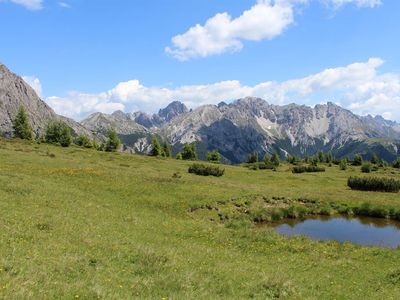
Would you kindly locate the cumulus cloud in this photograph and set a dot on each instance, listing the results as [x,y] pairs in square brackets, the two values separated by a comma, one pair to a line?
[222,33]
[34,83]
[266,20]
[357,86]
[29,4]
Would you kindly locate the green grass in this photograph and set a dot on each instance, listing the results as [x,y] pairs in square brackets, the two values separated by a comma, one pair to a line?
[79,223]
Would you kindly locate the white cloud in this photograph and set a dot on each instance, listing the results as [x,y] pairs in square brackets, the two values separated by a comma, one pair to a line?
[266,20]
[357,86]
[64,5]
[30,4]
[359,3]
[222,33]
[34,83]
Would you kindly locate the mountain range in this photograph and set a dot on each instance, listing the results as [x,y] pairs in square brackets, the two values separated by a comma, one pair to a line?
[235,129]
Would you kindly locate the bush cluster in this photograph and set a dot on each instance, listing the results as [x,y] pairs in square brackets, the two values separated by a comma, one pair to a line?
[374,184]
[366,167]
[307,169]
[58,132]
[396,163]
[205,170]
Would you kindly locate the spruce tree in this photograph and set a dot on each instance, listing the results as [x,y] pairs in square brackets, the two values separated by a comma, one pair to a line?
[252,158]
[189,152]
[275,159]
[21,126]
[357,160]
[374,159]
[58,132]
[214,156]
[113,142]
[156,149]
[166,149]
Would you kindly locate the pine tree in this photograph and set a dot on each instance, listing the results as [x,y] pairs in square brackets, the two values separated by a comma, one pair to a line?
[189,152]
[275,159]
[267,160]
[357,160]
[156,149]
[374,159]
[252,158]
[166,150]
[58,132]
[21,125]
[113,142]
[214,156]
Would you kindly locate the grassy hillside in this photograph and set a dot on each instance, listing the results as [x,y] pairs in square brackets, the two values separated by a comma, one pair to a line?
[85,224]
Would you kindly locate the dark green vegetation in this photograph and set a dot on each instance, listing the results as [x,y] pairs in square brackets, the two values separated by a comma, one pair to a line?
[214,157]
[307,169]
[206,170]
[57,132]
[82,223]
[374,184]
[21,126]
[113,142]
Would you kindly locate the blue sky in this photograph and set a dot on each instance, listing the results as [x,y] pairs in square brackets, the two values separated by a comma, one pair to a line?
[86,56]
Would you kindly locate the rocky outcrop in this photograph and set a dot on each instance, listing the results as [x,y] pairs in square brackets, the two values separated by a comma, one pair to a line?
[15,92]
[236,129]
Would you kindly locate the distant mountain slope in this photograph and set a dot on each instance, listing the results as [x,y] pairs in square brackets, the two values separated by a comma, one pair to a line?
[15,92]
[251,124]
[236,129]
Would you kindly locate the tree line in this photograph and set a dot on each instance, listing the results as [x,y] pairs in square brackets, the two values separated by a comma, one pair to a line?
[57,132]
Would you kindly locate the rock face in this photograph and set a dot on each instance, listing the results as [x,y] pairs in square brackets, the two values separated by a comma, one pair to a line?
[235,129]
[251,124]
[164,115]
[135,137]
[15,92]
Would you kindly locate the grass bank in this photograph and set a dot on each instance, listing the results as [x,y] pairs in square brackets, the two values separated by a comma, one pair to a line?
[84,224]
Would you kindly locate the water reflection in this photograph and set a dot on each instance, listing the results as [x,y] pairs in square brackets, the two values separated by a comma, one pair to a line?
[362,230]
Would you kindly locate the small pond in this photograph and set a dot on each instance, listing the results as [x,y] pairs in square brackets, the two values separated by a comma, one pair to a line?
[361,230]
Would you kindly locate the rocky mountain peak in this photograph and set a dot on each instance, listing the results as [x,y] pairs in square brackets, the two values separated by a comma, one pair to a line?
[173,110]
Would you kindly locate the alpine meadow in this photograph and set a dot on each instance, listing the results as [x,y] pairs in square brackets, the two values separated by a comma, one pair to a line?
[202,150]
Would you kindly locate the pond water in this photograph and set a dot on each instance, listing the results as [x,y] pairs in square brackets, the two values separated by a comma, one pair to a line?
[363,231]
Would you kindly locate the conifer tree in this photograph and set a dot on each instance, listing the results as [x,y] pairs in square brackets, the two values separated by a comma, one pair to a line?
[113,142]
[156,149]
[275,159]
[21,126]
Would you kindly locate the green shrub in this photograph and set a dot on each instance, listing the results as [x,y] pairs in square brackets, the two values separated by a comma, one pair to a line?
[205,170]
[58,132]
[366,167]
[374,184]
[275,161]
[343,165]
[252,158]
[189,152]
[113,142]
[21,126]
[307,169]
[396,163]
[156,149]
[214,157]
[357,160]
[83,141]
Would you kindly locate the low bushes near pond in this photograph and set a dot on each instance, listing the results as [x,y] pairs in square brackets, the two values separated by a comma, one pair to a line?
[378,184]
[241,212]
[206,170]
[307,169]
